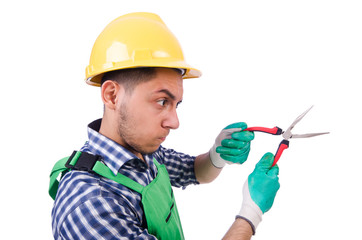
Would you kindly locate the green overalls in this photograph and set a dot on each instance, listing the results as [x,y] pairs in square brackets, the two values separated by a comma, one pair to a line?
[158,201]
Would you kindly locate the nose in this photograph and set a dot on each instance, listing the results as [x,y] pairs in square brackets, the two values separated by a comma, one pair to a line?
[171,121]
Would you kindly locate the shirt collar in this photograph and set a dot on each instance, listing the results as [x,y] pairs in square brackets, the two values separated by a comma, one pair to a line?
[114,155]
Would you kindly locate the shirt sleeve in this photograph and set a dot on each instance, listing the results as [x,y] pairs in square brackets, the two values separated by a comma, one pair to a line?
[103,218]
[180,166]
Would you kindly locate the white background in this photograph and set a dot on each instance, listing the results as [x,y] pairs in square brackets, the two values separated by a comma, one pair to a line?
[263,62]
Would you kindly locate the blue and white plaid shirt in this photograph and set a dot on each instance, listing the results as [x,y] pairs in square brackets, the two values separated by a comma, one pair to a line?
[88,206]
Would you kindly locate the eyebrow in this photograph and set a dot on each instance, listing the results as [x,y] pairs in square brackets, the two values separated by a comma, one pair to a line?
[167,93]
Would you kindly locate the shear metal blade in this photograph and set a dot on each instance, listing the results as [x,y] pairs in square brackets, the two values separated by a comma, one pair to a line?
[288,133]
[307,135]
[297,120]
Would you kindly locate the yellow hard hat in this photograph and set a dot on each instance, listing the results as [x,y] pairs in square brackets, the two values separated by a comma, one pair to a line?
[136,40]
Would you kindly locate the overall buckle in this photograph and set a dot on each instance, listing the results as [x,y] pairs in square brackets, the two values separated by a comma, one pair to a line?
[82,161]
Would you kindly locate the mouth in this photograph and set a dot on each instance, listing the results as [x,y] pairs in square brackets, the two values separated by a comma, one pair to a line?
[163,137]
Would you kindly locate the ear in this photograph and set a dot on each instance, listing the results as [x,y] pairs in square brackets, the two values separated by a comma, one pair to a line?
[110,94]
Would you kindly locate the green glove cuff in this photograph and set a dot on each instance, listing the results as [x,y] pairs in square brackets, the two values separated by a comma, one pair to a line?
[249,210]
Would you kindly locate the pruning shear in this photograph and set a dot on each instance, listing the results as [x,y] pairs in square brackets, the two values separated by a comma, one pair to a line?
[284,144]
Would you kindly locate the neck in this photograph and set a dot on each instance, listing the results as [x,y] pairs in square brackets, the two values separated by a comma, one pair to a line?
[107,129]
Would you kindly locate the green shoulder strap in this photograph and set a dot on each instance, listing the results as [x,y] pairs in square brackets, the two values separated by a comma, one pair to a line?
[58,168]
[66,164]
[104,171]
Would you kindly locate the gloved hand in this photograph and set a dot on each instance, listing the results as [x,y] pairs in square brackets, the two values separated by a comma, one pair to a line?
[259,191]
[232,145]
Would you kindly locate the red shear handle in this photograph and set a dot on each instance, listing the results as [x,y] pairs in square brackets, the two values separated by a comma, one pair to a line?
[274,130]
[282,146]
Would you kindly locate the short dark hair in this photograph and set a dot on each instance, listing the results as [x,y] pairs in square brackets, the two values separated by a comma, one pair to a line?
[130,77]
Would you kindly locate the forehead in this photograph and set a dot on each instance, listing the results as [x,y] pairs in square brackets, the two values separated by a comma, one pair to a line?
[164,79]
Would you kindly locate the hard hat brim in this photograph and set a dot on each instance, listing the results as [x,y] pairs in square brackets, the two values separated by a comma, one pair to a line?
[190,72]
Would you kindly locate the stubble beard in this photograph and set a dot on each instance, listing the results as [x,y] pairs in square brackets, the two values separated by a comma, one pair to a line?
[125,131]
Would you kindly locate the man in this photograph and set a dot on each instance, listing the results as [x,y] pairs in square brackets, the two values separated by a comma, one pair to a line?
[120,183]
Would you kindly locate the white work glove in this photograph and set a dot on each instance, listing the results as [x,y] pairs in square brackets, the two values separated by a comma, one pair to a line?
[232,145]
[259,191]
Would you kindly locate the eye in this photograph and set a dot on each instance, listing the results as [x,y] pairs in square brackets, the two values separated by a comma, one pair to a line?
[178,104]
[162,102]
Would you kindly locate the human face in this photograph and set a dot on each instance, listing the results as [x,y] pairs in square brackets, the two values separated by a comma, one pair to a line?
[147,115]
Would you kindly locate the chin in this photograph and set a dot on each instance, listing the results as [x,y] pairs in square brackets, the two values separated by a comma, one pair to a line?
[151,149]
[146,149]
